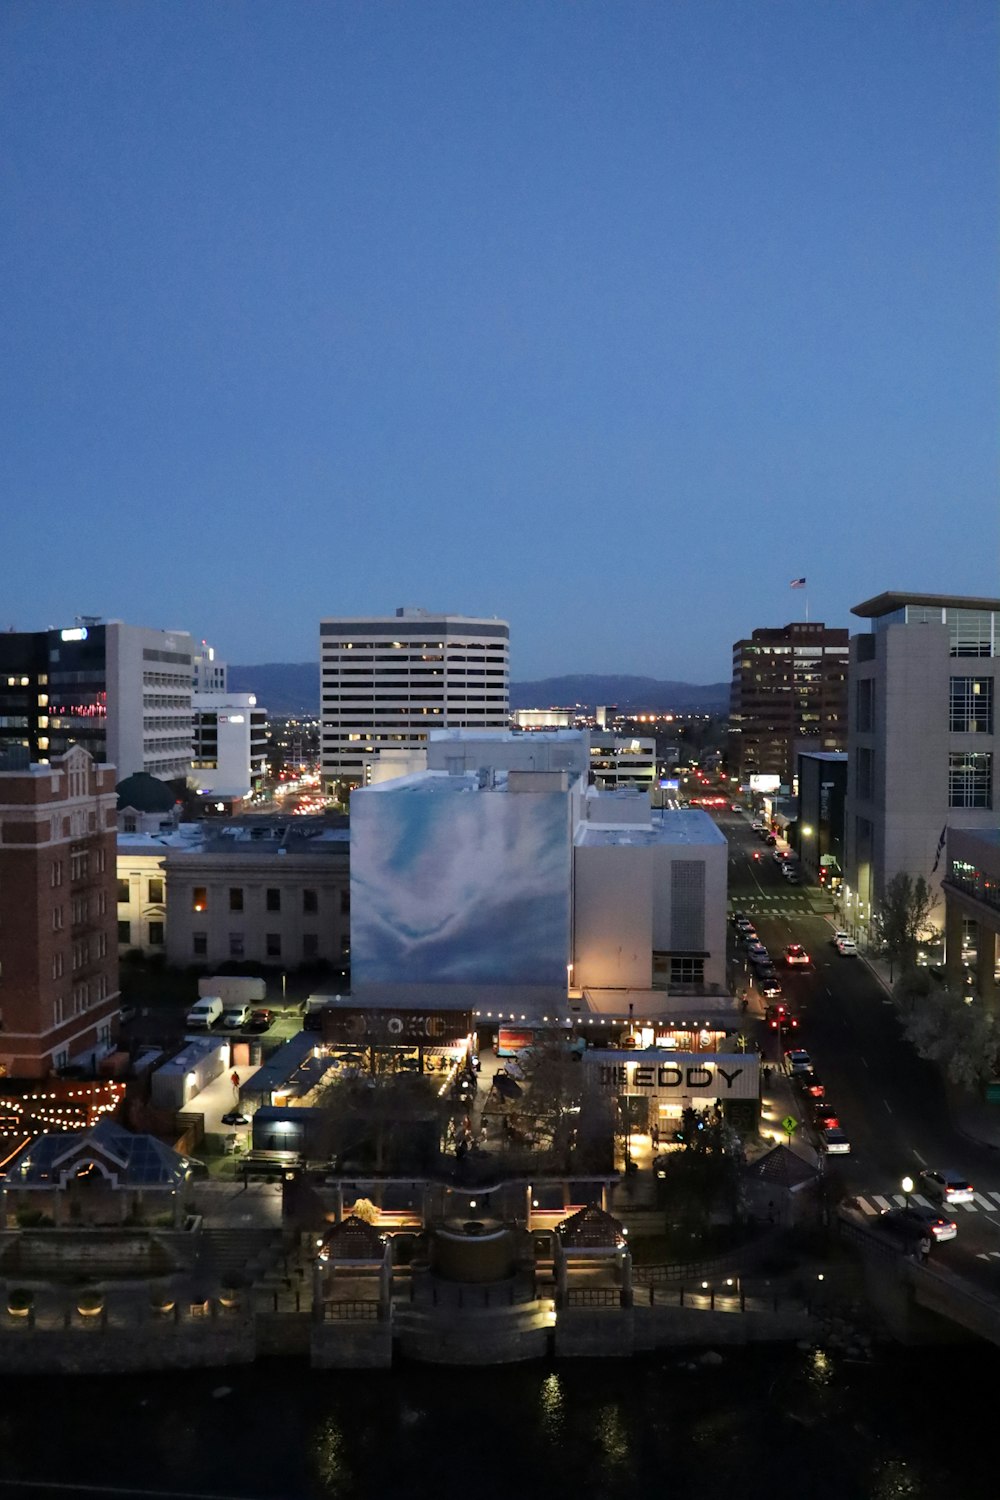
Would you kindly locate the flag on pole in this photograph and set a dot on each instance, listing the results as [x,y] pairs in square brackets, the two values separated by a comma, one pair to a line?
[940,848]
[797,583]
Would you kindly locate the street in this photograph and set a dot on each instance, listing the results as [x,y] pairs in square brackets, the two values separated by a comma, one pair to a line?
[891,1104]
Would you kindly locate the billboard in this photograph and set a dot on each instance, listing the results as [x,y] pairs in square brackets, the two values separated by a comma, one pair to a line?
[348,1025]
[459,886]
[764,784]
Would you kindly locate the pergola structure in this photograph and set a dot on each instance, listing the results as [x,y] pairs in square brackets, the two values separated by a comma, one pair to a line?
[103,1175]
[354,1252]
[592,1237]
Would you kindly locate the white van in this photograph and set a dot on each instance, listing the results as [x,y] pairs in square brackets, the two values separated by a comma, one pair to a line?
[205,1013]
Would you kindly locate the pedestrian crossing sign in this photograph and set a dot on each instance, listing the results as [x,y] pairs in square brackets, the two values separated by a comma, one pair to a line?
[790,1124]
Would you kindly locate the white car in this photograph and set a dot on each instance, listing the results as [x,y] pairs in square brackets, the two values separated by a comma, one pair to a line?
[833,1140]
[797,1062]
[796,956]
[235,1015]
[840,933]
[845,945]
[947,1186]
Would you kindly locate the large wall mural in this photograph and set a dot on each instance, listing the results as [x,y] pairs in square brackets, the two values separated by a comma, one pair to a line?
[460,887]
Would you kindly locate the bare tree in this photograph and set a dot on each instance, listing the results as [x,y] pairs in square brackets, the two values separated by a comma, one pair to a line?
[902,915]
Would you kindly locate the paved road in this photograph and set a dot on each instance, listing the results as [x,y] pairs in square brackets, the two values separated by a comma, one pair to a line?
[891,1104]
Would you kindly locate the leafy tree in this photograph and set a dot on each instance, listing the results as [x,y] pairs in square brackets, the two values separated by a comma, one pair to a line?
[906,905]
[377,1115]
[962,1039]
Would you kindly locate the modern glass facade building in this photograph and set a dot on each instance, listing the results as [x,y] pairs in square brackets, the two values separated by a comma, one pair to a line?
[789,693]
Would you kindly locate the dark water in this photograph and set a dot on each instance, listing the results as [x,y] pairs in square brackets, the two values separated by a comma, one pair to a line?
[771,1423]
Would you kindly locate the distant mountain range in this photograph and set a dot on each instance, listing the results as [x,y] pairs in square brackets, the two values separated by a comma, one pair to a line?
[291,688]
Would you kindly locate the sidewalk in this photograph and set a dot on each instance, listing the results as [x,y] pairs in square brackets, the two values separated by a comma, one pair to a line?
[973,1118]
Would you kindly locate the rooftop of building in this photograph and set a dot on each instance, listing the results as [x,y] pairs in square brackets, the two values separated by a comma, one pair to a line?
[839,756]
[247,836]
[888,603]
[507,736]
[453,784]
[668,825]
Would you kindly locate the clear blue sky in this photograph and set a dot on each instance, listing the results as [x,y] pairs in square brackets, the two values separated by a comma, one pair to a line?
[607,318]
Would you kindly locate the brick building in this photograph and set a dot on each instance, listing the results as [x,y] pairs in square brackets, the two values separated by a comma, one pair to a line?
[58,952]
[789,694]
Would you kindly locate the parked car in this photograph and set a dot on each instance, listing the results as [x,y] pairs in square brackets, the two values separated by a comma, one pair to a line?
[797,1061]
[791,874]
[811,1084]
[796,955]
[780,1016]
[769,985]
[205,1014]
[846,945]
[904,1225]
[840,933]
[833,1141]
[756,949]
[824,1115]
[946,1186]
[259,1020]
[235,1015]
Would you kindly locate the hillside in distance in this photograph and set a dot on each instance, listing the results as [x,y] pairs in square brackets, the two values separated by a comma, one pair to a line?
[635,694]
[292,689]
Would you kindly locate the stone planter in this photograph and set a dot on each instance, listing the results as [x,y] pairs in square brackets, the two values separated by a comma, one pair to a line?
[90,1304]
[163,1305]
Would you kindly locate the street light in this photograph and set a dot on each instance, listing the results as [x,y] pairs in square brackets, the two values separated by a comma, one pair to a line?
[907,1186]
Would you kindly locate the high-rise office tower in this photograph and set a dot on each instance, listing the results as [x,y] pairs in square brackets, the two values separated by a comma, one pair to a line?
[121,691]
[386,682]
[789,693]
[58,948]
[922,752]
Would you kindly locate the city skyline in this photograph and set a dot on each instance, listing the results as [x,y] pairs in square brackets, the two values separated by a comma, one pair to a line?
[609,322]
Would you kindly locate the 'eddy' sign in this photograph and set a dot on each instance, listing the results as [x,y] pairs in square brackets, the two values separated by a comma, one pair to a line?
[677,1076]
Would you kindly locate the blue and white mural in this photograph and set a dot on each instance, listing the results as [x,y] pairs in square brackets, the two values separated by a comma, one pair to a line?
[459,887]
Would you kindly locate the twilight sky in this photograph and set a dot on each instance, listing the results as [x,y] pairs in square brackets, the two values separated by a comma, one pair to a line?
[609,318]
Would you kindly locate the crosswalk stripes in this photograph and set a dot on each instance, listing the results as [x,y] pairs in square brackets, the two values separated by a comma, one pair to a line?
[875,1203]
[988,1255]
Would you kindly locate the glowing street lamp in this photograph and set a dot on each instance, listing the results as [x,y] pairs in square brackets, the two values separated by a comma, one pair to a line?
[907,1186]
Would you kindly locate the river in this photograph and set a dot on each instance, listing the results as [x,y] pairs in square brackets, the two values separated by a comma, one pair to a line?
[763,1423]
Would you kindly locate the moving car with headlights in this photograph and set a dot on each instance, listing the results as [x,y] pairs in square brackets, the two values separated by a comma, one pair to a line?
[845,945]
[946,1186]
[918,1222]
[833,1141]
[811,1084]
[769,984]
[796,956]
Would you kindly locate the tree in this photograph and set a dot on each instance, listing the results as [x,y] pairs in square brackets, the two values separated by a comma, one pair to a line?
[907,903]
[962,1039]
[380,1116]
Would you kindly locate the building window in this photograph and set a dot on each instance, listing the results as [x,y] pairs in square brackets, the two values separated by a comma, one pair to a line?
[236,945]
[970,779]
[156,934]
[687,971]
[57,918]
[128,823]
[310,945]
[865,705]
[864,765]
[156,891]
[124,893]
[310,902]
[273,901]
[124,932]
[272,945]
[970,705]
[235,898]
[199,898]
[57,966]
[970,631]
[345,903]
[57,872]
[61,1058]
[59,1010]
[199,944]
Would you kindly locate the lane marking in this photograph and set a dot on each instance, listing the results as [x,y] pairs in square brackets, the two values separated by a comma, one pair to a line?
[990,1207]
[970,1208]
[866,1206]
[995,1195]
[882,1202]
[920,1158]
[865,1061]
[899,1200]
[919,1198]
[887,1105]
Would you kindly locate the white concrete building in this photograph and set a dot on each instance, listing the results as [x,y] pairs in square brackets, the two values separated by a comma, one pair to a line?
[230,744]
[123,692]
[922,737]
[622,761]
[387,681]
[500,878]
[211,673]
